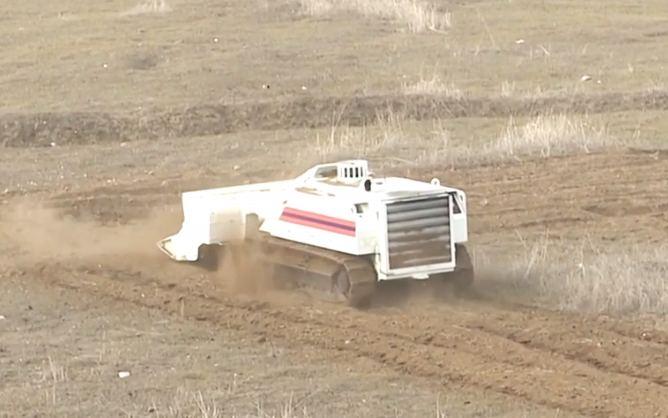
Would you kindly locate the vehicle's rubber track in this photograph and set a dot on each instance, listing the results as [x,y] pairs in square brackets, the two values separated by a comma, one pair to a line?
[322,265]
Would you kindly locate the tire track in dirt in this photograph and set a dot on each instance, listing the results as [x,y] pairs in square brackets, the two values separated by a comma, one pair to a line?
[591,344]
[448,353]
[584,340]
[41,129]
[646,362]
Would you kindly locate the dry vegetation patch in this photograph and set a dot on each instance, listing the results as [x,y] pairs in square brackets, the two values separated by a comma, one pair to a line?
[583,277]
[389,139]
[394,137]
[148,7]
[418,16]
[42,129]
[549,135]
[434,86]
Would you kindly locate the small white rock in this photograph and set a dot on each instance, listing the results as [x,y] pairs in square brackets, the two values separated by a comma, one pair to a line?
[123,375]
[2,318]
[236,167]
[53,144]
[304,88]
[519,41]
[216,40]
[585,78]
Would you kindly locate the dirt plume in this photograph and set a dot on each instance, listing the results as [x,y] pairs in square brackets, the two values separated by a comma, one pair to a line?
[35,234]
[42,232]
[241,269]
[40,235]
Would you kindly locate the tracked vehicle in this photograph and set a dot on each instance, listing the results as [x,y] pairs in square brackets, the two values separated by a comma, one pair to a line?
[337,225]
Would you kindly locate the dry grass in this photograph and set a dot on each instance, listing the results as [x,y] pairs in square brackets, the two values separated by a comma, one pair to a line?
[549,135]
[396,138]
[434,86]
[390,139]
[315,7]
[52,374]
[148,7]
[189,404]
[418,16]
[196,404]
[583,277]
[507,89]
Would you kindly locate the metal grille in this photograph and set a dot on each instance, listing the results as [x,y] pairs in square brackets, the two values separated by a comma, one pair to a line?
[418,232]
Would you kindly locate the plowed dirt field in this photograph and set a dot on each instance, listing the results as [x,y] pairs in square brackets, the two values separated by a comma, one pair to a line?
[581,365]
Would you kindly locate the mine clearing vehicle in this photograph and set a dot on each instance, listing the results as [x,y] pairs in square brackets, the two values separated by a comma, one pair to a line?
[340,228]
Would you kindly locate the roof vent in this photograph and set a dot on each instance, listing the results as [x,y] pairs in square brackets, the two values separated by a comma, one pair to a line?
[352,171]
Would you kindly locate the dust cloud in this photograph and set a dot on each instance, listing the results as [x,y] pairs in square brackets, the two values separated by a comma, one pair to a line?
[44,233]
[35,234]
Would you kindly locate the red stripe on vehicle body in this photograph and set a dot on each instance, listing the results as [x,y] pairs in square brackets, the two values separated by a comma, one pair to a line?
[316,220]
[314,215]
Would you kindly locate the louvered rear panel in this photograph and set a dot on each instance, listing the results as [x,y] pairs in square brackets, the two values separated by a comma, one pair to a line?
[419,232]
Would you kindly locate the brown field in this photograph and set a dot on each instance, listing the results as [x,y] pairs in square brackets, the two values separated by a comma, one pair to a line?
[108,110]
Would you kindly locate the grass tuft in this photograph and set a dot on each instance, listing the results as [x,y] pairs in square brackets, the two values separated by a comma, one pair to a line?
[196,404]
[434,86]
[418,16]
[53,374]
[549,135]
[189,404]
[149,7]
[315,7]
